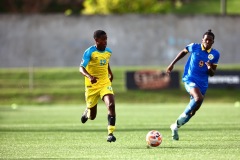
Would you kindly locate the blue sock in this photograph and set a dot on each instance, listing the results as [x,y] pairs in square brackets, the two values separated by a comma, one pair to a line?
[191,106]
[185,116]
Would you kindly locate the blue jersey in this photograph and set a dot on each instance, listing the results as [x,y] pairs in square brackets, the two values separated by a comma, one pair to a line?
[196,70]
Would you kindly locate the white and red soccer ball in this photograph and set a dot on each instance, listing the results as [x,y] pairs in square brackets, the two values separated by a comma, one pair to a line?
[154,138]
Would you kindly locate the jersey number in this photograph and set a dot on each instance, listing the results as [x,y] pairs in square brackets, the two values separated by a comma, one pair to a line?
[103,62]
[201,63]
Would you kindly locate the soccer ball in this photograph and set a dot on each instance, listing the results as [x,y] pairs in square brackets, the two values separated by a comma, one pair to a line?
[154,138]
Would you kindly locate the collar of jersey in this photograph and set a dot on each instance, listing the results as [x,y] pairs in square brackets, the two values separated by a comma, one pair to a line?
[99,50]
[203,49]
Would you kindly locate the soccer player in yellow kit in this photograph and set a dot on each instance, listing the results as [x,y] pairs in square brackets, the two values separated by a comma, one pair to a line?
[98,80]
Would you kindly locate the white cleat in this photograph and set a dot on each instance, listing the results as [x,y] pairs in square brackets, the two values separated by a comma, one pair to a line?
[174,129]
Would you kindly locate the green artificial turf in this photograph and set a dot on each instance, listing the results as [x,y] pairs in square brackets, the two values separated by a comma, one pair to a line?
[56,132]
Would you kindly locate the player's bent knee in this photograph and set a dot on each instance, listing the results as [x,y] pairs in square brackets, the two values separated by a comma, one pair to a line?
[199,99]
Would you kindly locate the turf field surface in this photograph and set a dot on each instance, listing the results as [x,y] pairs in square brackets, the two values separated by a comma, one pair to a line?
[56,132]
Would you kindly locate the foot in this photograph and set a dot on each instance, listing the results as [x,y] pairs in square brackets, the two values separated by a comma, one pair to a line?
[111,138]
[174,132]
[84,117]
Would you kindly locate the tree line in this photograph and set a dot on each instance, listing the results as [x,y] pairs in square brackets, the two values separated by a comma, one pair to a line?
[89,6]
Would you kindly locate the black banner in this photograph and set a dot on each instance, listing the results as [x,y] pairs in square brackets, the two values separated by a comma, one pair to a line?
[225,79]
[152,80]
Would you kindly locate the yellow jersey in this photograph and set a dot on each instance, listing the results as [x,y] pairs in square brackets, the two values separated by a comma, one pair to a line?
[96,64]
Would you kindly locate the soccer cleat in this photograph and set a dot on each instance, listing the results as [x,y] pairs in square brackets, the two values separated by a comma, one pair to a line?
[174,132]
[84,117]
[111,138]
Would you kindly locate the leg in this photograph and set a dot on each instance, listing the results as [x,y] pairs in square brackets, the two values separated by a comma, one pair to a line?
[110,103]
[194,104]
[89,114]
[93,112]
[91,96]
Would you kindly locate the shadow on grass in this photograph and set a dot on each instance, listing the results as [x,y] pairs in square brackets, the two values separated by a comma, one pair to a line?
[159,147]
[42,129]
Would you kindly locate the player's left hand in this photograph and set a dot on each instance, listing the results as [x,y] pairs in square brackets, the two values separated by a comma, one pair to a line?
[209,65]
[111,78]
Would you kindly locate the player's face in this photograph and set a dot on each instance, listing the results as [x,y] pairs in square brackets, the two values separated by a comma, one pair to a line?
[101,42]
[207,41]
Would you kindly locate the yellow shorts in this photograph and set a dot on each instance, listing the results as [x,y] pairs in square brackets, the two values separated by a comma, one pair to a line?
[92,95]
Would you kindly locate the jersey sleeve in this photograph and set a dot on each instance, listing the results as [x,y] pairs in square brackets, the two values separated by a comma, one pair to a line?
[86,58]
[216,57]
[109,50]
[189,47]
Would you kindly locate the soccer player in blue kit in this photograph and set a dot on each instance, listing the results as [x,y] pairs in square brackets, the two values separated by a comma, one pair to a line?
[202,62]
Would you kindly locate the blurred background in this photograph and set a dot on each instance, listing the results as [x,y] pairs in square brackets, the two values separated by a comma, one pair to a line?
[42,43]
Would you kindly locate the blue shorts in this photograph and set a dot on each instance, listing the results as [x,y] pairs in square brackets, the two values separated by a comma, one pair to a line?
[190,85]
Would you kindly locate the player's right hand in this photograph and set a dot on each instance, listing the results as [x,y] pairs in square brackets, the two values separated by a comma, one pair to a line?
[93,79]
[169,69]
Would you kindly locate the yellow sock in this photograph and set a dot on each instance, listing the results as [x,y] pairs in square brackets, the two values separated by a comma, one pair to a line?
[111,129]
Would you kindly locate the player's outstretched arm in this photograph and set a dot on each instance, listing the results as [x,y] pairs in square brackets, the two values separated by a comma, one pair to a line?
[178,57]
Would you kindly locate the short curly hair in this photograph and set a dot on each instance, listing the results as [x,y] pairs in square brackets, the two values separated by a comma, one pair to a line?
[98,33]
[209,32]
